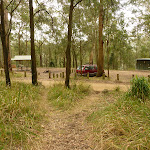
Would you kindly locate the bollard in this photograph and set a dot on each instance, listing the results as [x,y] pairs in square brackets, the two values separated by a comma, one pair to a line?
[149,78]
[53,75]
[38,74]
[103,76]
[133,76]
[1,72]
[88,75]
[118,77]
[49,74]
[25,74]
[56,75]
[60,75]
[63,75]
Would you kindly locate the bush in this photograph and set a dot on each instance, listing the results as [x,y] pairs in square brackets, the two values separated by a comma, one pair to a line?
[140,88]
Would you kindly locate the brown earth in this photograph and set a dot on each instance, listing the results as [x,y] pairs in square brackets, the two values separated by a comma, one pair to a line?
[98,84]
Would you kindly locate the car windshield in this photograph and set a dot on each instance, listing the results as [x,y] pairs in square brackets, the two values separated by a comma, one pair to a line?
[79,67]
[86,68]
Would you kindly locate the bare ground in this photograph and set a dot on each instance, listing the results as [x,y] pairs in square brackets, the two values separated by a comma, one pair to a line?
[67,130]
[96,83]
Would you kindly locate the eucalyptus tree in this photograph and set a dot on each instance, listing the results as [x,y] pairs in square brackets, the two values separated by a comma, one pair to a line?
[141,31]
[68,54]
[5,33]
[4,44]
[33,57]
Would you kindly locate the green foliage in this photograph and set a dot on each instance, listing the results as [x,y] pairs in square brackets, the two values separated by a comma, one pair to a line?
[122,125]
[64,98]
[18,114]
[140,88]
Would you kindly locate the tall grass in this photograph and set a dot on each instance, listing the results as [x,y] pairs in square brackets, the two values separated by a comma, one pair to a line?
[18,114]
[63,98]
[124,124]
[140,88]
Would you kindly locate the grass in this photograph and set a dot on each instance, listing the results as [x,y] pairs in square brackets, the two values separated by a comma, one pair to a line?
[124,124]
[19,115]
[63,98]
[13,75]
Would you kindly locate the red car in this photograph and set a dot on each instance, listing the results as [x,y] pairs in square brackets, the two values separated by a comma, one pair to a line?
[92,69]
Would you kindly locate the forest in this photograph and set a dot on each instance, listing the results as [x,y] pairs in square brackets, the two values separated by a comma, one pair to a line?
[63,109]
[116,32]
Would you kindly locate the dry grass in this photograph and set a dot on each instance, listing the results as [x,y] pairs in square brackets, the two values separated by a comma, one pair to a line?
[121,125]
[20,115]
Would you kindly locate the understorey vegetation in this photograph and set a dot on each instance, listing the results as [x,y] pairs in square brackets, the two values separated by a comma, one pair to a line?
[124,124]
[20,115]
[65,98]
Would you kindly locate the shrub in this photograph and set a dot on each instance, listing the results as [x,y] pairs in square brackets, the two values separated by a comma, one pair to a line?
[140,88]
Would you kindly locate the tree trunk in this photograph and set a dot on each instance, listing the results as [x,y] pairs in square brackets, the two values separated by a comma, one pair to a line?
[19,46]
[64,64]
[7,38]
[33,58]
[108,55]
[49,54]
[96,37]
[41,60]
[4,45]
[100,65]
[91,55]
[81,56]
[68,55]
[26,43]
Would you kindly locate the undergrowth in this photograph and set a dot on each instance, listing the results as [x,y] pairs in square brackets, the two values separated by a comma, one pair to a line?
[64,98]
[19,115]
[140,88]
[124,124]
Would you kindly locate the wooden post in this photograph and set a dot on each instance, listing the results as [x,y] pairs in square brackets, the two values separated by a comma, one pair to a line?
[118,77]
[103,76]
[53,75]
[88,75]
[60,75]
[1,72]
[63,75]
[133,76]
[56,75]
[25,74]
[149,78]
[38,74]
[49,74]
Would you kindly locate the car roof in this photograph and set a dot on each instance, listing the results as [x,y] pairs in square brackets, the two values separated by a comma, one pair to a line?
[89,65]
